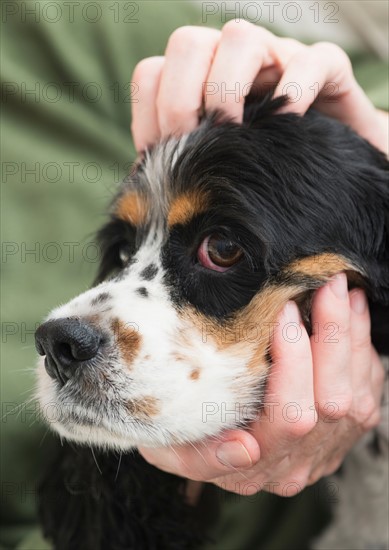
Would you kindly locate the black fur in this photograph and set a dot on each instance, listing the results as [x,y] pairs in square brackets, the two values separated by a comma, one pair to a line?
[283,187]
[103,501]
[149,272]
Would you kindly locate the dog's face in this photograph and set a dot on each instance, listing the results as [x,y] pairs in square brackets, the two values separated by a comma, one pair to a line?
[170,361]
[173,344]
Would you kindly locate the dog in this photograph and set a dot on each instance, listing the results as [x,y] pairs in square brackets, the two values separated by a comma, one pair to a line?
[208,238]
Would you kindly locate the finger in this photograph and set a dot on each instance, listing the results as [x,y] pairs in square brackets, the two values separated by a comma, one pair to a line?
[331,348]
[361,355]
[379,372]
[312,69]
[323,72]
[308,72]
[243,50]
[289,404]
[265,82]
[208,459]
[367,408]
[189,56]
[366,399]
[146,78]
[281,51]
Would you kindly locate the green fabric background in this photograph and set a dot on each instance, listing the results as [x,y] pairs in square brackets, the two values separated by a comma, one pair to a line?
[49,213]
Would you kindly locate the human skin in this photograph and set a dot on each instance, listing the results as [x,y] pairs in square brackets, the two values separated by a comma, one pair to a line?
[337,385]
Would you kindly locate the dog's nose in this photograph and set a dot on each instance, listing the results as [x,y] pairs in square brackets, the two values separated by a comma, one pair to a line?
[66,343]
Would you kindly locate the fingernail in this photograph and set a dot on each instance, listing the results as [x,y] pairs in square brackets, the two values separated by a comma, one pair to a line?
[358,301]
[233,453]
[338,285]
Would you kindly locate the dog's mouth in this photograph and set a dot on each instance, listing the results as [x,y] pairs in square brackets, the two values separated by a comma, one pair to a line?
[78,416]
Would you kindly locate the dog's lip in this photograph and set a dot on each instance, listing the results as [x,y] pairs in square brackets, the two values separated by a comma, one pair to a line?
[50,364]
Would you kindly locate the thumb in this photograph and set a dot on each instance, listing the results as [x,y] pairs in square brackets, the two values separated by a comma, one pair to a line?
[205,460]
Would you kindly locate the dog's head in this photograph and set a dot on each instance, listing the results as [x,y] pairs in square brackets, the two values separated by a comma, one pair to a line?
[208,239]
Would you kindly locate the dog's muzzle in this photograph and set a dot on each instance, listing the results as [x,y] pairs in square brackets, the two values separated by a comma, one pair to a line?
[67,344]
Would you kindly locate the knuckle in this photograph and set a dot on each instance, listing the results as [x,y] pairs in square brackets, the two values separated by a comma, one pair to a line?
[366,407]
[146,68]
[302,427]
[186,36]
[238,28]
[336,407]
[329,48]
[367,412]
[343,407]
[295,484]
[333,51]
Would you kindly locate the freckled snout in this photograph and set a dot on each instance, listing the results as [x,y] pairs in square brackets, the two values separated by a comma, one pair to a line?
[67,344]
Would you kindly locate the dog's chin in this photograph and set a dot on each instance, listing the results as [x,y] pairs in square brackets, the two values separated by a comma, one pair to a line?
[103,438]
[138,434]
[85,427]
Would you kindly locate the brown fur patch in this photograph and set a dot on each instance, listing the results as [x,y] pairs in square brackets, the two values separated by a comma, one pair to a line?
[132,207]
[179,357]
[250,332]
[127,339]
[195,374]
[184,207]
[143,408]
[189,359]
[321,266]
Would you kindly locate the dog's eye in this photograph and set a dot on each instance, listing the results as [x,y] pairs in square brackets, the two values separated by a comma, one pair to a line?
[218,253]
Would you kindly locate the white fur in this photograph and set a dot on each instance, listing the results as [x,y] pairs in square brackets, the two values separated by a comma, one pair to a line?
[188,409]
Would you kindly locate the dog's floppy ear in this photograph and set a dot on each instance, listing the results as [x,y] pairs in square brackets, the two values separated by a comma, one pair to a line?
[376,264]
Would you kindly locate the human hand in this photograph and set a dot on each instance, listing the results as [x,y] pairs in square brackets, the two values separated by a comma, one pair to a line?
[323,393]
[201,66]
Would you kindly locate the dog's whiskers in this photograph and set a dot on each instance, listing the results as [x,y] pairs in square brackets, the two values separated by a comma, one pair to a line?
[95,459]
[119,464]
